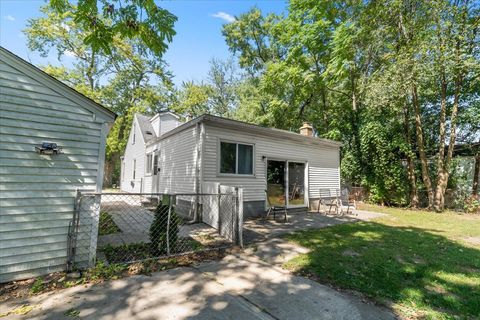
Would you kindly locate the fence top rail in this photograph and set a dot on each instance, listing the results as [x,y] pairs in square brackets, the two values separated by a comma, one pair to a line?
[151,194]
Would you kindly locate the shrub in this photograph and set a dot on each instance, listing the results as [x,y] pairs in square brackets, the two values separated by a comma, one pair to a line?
[472,204]
[159,228]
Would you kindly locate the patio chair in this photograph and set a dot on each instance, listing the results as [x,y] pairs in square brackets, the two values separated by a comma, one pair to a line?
[347,199]
[329,198]
[275,209]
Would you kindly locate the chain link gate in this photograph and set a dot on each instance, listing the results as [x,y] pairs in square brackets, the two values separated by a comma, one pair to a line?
[131,227]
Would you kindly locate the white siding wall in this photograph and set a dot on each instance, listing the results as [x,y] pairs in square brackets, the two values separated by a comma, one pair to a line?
[167,123]
[133,151]
[156,125]
[37,191]
[177,162]
[323,162]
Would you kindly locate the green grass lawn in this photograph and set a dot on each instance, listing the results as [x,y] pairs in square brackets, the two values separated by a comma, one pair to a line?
[426,265]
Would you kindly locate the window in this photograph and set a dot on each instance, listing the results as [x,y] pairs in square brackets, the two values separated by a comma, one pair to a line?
[133,139]
[134,168]
[148,167]
[236,158]
[155,164]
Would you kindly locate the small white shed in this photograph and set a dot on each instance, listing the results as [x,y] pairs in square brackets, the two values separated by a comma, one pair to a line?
[37,190]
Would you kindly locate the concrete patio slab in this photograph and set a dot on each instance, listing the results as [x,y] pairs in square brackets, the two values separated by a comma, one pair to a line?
[256,230]
[237,287]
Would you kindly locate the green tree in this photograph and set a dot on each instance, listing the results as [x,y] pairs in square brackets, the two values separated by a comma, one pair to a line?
[103,21]
[129,78]
[391,79]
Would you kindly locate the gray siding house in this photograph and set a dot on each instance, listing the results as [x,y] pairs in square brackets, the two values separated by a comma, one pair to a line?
[281,166]
[37,190]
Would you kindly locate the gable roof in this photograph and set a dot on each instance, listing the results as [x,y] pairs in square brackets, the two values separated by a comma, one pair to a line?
[253,128]
[176,116]
[55,84]
[145,127]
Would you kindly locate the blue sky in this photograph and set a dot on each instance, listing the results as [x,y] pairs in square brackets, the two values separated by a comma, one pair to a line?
[198,39]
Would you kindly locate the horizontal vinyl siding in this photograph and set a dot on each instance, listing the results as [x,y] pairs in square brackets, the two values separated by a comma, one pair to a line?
[323,162]
[37,191]
[167,123]
[133,151]
[177,162]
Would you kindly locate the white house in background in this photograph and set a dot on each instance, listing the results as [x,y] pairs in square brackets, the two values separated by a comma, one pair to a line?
[144,129]
[290,167]
[37,188]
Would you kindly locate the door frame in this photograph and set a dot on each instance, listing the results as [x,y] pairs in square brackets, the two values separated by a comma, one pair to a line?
[305,187]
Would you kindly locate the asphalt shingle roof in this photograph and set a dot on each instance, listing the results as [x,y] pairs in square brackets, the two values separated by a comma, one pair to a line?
[146,127]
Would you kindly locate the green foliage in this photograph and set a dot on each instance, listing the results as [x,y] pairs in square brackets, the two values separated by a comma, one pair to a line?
[103,271]
[472,204]
[162,228]
[129,19]
[37,286]
[349,67]
[113,62]
[193,99]
[72,313]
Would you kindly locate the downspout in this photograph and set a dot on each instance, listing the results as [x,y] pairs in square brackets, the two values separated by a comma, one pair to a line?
[198,161]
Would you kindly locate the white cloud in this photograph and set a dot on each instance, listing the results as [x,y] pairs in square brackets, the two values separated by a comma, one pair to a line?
[10,17]
[224,16]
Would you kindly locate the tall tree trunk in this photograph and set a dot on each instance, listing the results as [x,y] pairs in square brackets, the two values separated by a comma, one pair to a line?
[443,181]
[410,159]
[442,171]
[421,146]
[476,176]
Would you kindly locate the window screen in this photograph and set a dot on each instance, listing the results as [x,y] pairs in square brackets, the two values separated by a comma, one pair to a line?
[245,159]
[236,158]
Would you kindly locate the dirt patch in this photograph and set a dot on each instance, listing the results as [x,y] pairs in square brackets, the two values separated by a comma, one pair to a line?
[473,240]
[436,289]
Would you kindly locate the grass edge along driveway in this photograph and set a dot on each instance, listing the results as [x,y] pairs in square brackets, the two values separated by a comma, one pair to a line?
[420,263]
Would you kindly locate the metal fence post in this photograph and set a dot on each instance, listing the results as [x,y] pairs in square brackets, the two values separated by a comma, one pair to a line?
[72,232]
[168,222]
[239,214]
[219,199]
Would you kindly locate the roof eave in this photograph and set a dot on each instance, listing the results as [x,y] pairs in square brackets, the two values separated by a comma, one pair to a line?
[48,79]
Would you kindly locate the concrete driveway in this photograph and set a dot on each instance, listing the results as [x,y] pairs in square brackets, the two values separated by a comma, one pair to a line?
[237,287]
[250,285]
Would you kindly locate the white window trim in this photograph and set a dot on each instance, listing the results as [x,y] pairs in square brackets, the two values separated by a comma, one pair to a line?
[237,175]
[151,164]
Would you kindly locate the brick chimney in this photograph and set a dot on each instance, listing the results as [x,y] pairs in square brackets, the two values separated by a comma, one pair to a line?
[306,130]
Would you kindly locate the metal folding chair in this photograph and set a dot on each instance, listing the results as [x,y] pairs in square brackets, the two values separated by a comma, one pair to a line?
[274,209]
[330,198]
[346,199]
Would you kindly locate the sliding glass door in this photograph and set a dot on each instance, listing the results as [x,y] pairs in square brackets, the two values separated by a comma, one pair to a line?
[296,184]
[286,183]
[276,178]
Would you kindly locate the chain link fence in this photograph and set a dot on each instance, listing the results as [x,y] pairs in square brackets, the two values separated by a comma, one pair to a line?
[126,227]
